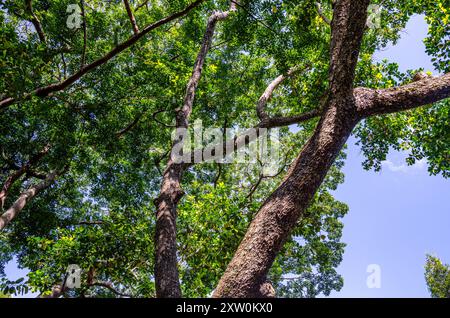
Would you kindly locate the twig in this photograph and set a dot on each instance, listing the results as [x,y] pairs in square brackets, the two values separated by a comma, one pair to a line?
[322,14]
[83,55]
[160,122]
[36,23]
[131,17]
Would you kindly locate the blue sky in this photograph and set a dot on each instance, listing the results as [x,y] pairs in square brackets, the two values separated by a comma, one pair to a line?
[396,216]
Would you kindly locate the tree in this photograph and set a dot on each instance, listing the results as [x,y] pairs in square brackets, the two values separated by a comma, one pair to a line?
[87,153]
[437,276]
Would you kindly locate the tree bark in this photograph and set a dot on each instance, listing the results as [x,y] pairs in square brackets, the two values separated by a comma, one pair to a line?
[279,214]
[20,172]
[384,101]
[131,17]
[24,198]
[166,265]
[246,275]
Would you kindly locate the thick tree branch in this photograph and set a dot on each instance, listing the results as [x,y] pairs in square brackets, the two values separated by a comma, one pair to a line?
[347,28]
[52,88]
[20,172]
[383,101]
[24,198]
[131,17]
[272,225]
[166,265]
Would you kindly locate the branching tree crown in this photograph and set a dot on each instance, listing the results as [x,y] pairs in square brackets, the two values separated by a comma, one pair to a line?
[92,90]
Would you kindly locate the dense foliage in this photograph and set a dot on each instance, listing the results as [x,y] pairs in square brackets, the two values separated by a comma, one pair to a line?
[110,131]
[437,276]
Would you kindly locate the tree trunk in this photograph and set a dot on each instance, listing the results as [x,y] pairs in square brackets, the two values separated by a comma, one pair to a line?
[166,265]
[278,215]
[246,274]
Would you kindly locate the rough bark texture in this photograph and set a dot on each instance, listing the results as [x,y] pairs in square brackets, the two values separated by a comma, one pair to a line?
[383,101]
[280,212]
[166,265]
[24,198]
[247,272]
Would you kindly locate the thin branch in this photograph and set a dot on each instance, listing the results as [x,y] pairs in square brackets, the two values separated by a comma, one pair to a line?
[50,89]
[35,174]
[166,269]
[254,187]
[158,161]
[160,122]
[289,120]
[131,17]
[130,126]
[249,135]
[259,20]
[263,177]
[109,286]
[292,278]
[267,95]
[83,55]
[219,173]
[35,20]
[322,14]
[266,122]
[63,60]
[141,5]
